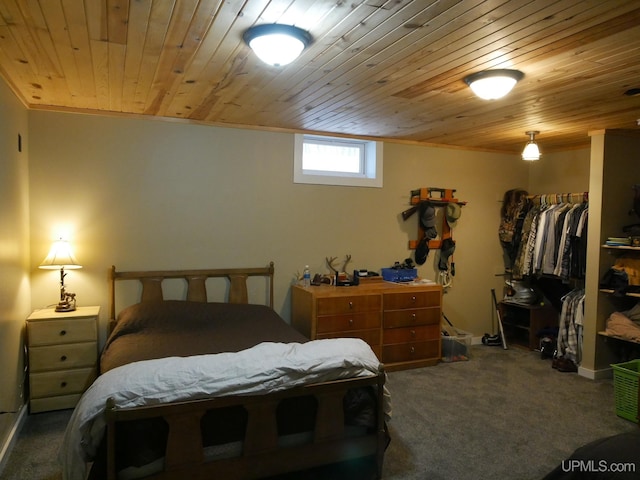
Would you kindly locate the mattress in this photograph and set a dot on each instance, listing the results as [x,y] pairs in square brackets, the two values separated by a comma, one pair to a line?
[174,328]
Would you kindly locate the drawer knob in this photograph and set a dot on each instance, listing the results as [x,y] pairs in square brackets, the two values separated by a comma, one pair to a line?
[63,333]
[63,384]
[413,316]
[413,334]
[350,304]
[413,350]
[63,358]
[351,321]
[413,298]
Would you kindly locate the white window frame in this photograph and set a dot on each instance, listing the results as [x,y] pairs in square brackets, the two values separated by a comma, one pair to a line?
[372,163]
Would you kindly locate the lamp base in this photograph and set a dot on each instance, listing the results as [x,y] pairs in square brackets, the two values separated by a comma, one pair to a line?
[65,307]
[67,302]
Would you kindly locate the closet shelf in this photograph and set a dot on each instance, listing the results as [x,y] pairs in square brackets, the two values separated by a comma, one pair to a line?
[621,247]
[605,334]
[610,291]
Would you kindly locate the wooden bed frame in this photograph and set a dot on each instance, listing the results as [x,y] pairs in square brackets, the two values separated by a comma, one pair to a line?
[261,456]
[196,284]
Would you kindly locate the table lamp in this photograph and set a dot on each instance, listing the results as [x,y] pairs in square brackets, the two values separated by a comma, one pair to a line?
[60,256]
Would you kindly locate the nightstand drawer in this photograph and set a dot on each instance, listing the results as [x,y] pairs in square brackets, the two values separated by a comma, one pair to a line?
[55,332]
[66,382]
[399,301]
[405,352]
[53,403]
[407,318]
[411,334]
[59,357]
[349,304]
[343,323]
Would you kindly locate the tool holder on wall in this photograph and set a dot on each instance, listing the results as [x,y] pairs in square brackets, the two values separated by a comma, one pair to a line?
[445,196]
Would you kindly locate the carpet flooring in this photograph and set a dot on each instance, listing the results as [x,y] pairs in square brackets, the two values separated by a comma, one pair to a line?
[504,414]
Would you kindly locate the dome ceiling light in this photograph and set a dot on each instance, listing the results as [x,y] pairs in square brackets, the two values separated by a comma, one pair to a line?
[531,151]
[276,44]
[493,84]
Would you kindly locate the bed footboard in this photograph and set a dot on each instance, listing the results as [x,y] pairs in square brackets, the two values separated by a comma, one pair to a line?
[261,455]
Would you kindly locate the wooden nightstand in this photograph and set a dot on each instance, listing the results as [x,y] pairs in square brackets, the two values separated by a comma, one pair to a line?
[63,356]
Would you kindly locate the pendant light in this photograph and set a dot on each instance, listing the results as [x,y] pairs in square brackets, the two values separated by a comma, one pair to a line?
[531,151]
[277,44]
[493,84]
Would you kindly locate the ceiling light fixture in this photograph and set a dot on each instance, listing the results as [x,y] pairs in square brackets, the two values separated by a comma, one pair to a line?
[277,44]
[531,151]
[493,84]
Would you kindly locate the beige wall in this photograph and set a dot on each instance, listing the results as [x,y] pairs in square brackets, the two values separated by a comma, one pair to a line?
[144,194]
[565,172]
[15,301]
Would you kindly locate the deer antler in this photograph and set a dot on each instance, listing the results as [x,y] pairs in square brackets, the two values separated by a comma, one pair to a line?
[347,259]
[330,263]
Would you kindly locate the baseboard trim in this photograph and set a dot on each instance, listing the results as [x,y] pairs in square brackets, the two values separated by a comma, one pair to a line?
[600,374]
[13,437]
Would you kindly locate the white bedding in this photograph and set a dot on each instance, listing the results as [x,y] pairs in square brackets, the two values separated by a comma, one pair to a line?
[281,366]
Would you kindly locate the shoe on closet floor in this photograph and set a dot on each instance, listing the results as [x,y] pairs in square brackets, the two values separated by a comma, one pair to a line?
[566,365]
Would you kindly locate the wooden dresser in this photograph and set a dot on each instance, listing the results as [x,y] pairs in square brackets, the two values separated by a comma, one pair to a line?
[401,322]
[63,355]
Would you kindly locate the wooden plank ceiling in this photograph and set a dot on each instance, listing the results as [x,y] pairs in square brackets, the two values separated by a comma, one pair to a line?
[391,69]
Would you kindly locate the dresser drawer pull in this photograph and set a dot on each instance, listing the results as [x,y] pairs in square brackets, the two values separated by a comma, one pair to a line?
[63,384]
[413,334]
[351,321]
[413,316]
[63,358]
[413,350]
[350,304]
[63,333]
[413,298]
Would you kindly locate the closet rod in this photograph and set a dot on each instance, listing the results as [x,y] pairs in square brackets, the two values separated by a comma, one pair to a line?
[555,198]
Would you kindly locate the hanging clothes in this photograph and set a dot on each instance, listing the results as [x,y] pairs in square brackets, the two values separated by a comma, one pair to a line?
[569,343]
[553,241]
[515,205]
[522,266]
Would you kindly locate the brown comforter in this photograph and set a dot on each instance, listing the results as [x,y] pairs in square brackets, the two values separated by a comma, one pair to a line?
[168,328]
[173,328]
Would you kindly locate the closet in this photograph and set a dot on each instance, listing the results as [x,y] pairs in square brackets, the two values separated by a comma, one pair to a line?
[612,171]
[553,239]
[549,251]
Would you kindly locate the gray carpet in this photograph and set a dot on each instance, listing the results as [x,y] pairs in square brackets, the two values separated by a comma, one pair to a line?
[505,414]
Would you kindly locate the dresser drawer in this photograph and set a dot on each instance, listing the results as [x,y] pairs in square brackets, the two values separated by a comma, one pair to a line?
[405,352]
[65,382]
[407,318]
[411,334]
[372,337]
[402,300]
[349,304]
[60,357]
[344,323]
[71,330]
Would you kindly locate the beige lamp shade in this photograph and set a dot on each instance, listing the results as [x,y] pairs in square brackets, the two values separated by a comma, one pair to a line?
[60,256]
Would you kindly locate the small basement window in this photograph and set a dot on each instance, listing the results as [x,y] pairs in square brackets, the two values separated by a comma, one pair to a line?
[337,161]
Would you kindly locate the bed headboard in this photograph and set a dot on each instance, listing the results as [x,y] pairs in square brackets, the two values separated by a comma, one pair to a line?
[196,283]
